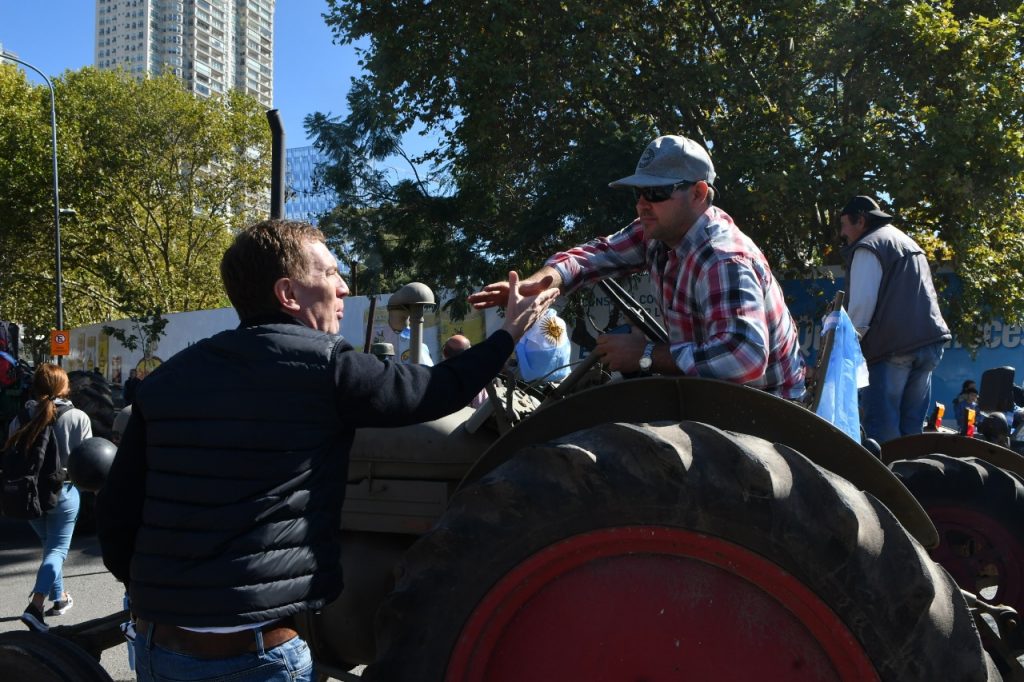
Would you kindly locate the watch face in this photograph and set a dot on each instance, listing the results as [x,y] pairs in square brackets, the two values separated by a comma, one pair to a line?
[646,361]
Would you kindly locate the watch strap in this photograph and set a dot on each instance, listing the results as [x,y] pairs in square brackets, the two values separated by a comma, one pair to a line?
[649,356]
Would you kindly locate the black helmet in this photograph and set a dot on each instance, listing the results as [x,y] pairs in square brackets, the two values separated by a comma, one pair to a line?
[994,428]
[89,463]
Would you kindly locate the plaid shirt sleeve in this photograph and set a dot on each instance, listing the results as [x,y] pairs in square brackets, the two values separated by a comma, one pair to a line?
[621,253]
[730,300]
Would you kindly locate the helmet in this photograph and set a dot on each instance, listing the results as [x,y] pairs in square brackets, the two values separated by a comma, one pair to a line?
[872,446]
[89,463]
[995,428]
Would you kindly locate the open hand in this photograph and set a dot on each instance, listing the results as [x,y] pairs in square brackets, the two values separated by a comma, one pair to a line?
[496,294]
[523,308]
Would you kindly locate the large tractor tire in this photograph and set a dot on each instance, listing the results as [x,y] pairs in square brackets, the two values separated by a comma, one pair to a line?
[669,551]
[978,509]
[40,657]
[91,393]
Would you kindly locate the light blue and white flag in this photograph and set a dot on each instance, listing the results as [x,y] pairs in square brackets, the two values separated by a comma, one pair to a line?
[846,372]
[543,352]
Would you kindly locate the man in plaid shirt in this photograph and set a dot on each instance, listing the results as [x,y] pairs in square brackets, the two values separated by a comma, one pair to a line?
[724,310]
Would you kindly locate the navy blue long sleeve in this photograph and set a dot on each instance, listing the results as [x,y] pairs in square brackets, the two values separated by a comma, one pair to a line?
[382,394]
[368,393]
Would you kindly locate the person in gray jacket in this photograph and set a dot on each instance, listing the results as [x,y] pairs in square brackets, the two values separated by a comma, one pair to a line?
[892,303]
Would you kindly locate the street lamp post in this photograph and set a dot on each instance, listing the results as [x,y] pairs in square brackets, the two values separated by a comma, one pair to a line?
[56,193]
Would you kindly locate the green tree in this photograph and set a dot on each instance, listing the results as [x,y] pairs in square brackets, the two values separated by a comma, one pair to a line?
[803,103]
[159,179]
[27,294]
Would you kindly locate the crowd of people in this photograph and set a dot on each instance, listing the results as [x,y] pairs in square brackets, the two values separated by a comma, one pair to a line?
[268,409]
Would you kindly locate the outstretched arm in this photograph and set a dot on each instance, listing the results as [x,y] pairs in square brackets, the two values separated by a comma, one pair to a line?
[497,294]
[381,394]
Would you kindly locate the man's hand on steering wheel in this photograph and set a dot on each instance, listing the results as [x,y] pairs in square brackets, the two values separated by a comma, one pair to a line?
[622,352]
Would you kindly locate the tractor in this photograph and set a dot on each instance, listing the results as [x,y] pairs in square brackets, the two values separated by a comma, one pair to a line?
[631,529]
[634,529]
[639,529]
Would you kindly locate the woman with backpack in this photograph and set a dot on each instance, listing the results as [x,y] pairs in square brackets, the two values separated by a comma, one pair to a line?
[50,407]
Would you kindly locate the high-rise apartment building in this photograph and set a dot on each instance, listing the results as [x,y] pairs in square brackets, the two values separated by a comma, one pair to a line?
[212,45]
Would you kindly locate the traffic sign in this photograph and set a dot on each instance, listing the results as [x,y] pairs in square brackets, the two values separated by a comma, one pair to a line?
[60,342]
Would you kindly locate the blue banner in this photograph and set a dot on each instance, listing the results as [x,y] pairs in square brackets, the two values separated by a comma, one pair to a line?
[1002,346]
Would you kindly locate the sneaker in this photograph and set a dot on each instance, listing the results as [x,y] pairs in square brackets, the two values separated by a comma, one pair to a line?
[59,608]
[34,619]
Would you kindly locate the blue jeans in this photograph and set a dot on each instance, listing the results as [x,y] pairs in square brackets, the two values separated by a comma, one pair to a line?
[896,401]
[54,529]
[289,662]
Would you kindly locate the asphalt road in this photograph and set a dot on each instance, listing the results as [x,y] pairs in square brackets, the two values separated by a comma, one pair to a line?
[95,591]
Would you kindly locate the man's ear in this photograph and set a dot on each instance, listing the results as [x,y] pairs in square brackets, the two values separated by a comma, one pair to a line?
[701,191]
[284,292]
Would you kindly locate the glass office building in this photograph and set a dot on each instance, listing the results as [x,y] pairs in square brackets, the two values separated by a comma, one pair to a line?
[303,199]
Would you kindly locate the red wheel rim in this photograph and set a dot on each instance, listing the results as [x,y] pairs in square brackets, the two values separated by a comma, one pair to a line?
[653,603]
[978,552]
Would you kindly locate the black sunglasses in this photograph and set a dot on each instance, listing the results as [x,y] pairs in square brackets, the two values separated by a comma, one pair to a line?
[659,193]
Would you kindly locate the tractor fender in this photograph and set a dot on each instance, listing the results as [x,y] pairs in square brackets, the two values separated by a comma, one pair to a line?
[727,406]
[952,445]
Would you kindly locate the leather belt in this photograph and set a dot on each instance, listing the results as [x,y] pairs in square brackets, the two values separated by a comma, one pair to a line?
[211,645]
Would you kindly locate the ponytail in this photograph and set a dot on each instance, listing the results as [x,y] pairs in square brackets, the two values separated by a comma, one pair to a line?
[26,434]
[48,383]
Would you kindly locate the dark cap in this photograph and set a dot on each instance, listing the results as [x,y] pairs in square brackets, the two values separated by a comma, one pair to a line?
[863,204]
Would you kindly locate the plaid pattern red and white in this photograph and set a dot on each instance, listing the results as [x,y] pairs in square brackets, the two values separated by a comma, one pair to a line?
[724,311]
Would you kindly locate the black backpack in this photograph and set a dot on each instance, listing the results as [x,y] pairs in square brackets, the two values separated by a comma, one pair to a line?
[32,480]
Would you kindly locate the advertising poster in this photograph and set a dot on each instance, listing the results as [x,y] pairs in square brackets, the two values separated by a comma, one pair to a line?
[90,353]
[77,360]
[115,370]
[101,355]
[472,326]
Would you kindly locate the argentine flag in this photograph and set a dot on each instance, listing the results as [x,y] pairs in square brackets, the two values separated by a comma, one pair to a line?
[845,374]
[543,352]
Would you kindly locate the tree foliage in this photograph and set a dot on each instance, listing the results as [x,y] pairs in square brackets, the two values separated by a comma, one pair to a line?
[26,204]
[158,178]
[803,103]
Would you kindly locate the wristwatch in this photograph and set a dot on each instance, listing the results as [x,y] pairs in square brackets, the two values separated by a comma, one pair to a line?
[646,360]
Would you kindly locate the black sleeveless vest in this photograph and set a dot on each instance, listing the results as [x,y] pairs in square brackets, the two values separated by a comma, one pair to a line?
[246,464]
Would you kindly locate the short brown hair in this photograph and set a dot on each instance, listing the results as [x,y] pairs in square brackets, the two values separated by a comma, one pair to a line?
[260,255]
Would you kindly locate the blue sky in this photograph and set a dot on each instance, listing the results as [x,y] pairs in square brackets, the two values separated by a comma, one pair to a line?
[310,72]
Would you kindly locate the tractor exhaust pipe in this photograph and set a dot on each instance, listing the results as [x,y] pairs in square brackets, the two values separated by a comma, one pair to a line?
[277,164]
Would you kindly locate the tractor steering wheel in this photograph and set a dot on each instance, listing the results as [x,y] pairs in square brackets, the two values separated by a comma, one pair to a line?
[633,311]
[636,315]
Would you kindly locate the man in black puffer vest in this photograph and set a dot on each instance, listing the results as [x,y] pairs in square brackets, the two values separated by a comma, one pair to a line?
[221,509]
[893,306]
